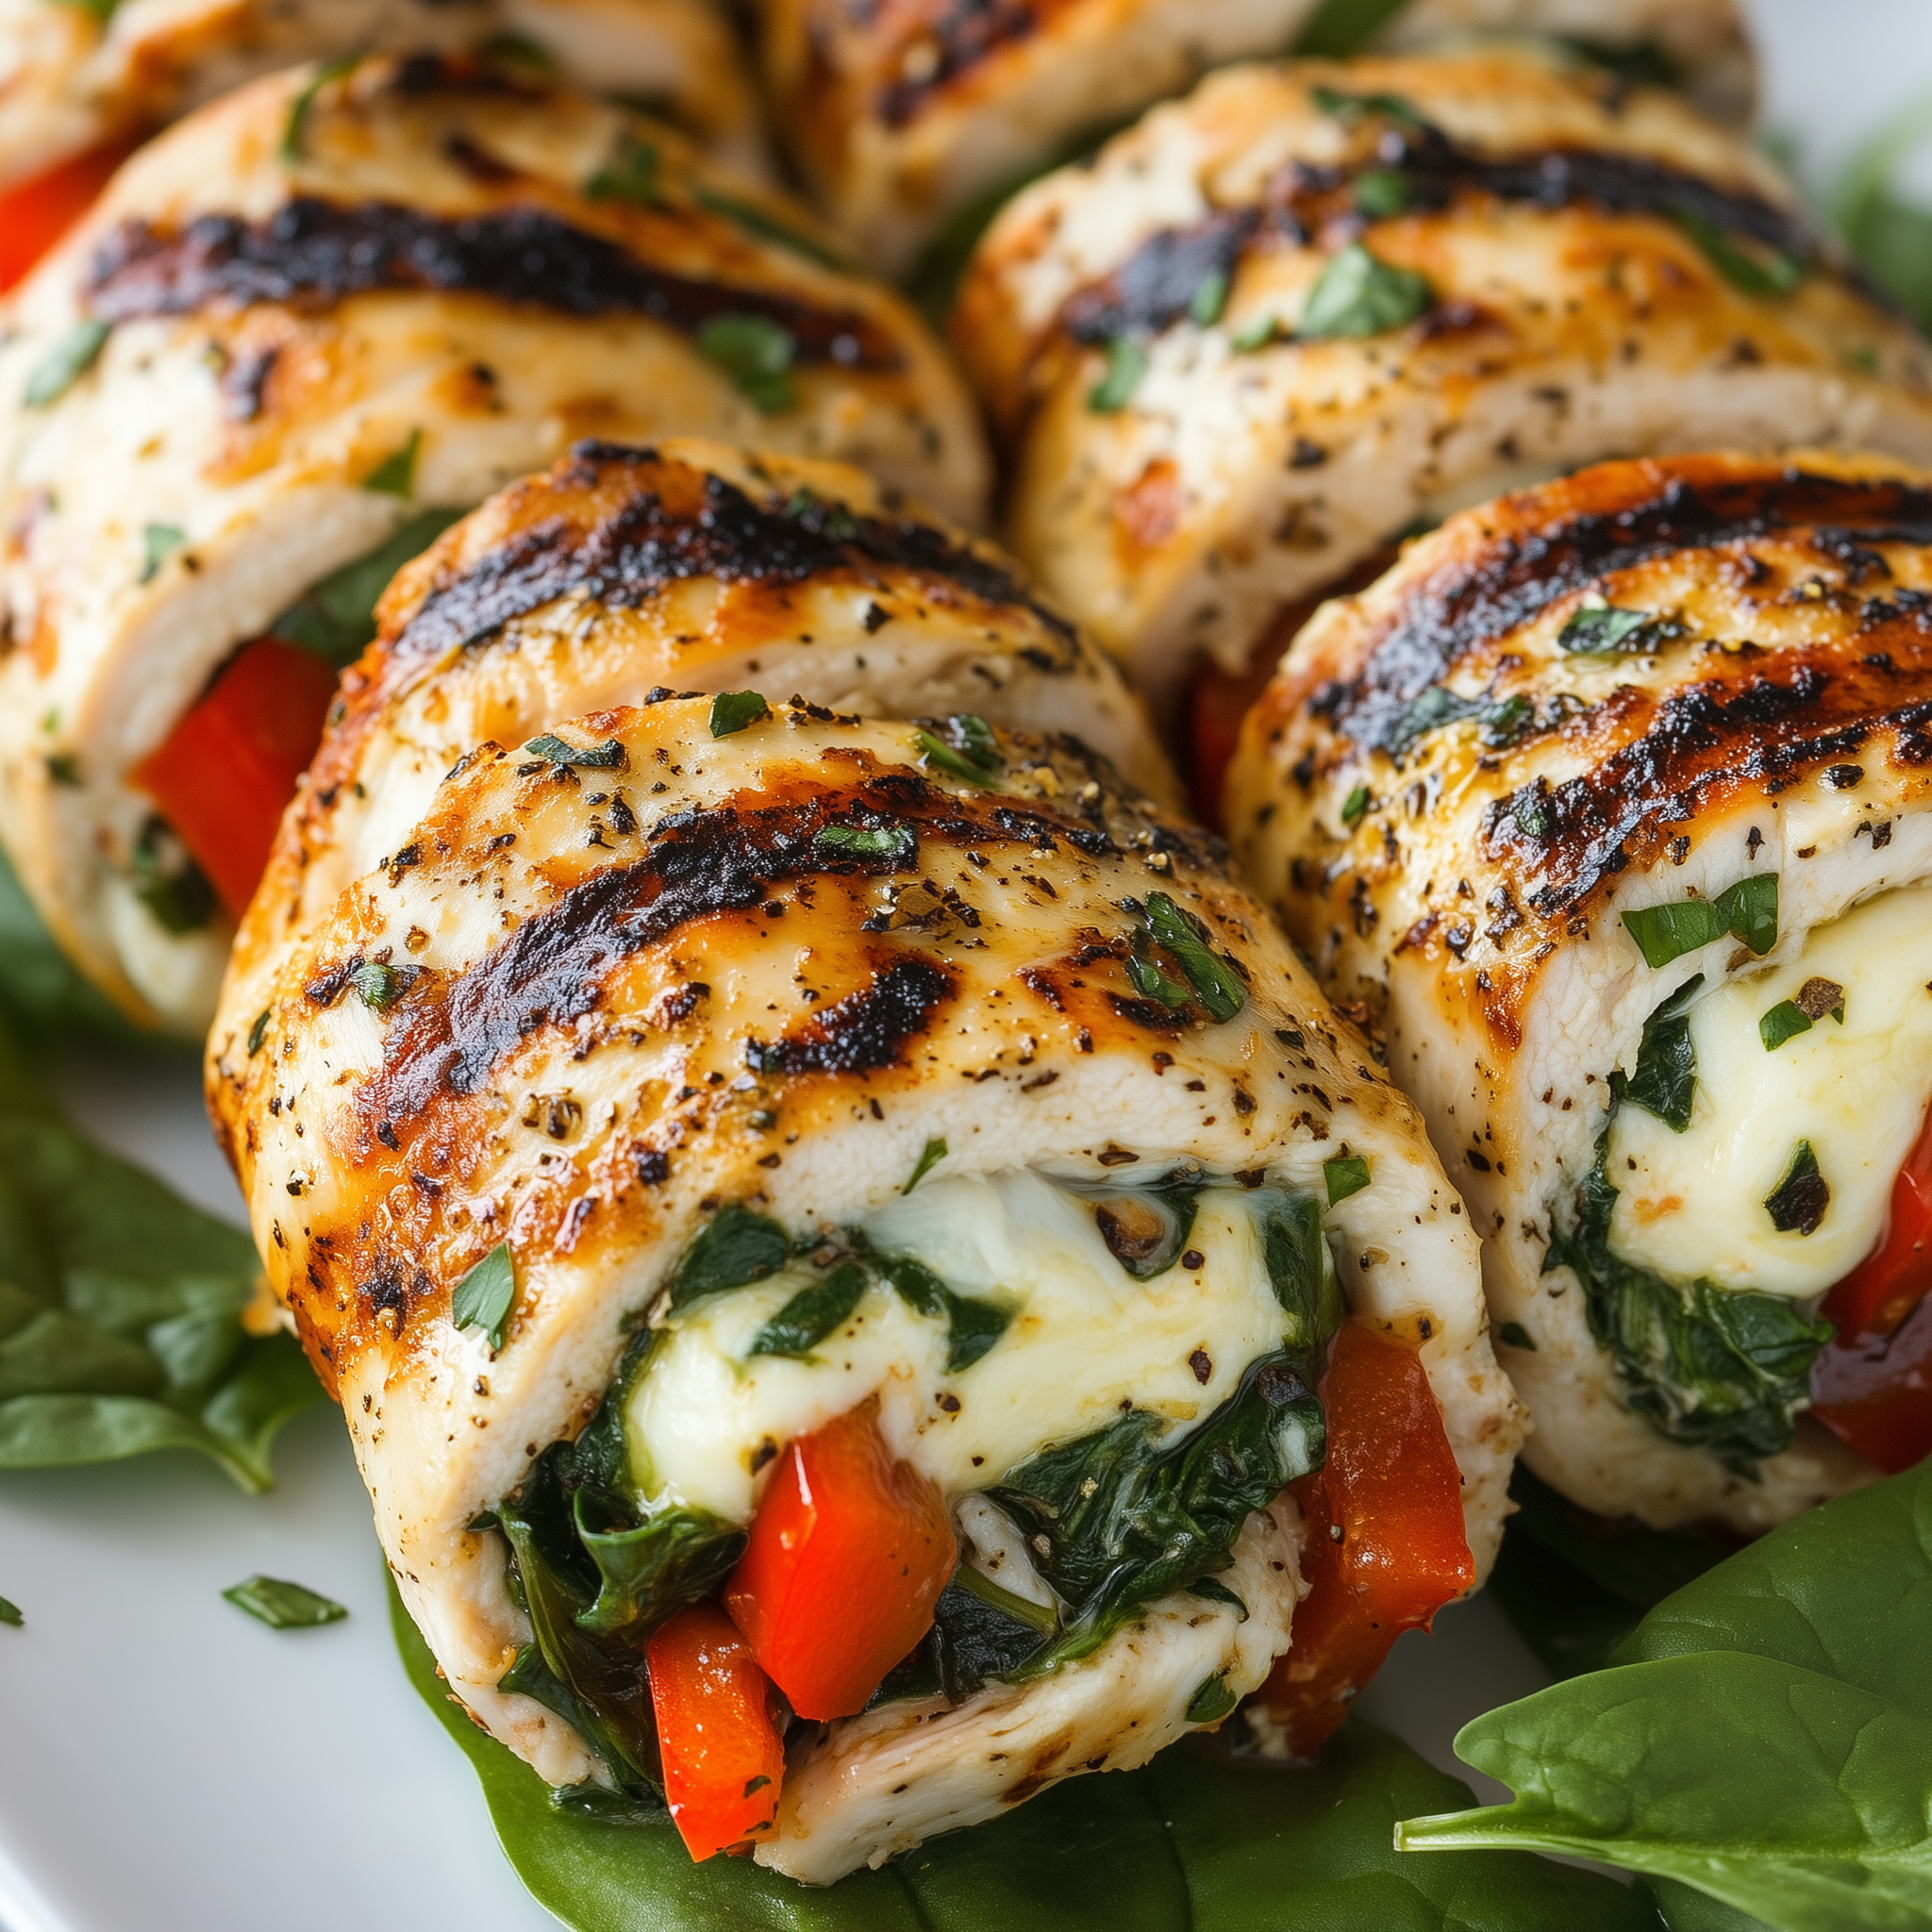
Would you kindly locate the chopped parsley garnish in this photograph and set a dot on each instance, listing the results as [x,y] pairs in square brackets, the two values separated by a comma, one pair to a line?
[764,227]
[930,1157]
[609,757]
[396,476]
[1797,1204]
[1747,912]
[973,754]
[1209,298]
[483,1297]
[1360,295]
[284,1605]
[1791,1017]
[1346,1174]
[1144,972]
[1348,109]
[1602,630]
[630,174]
[1666,1077]
[737,711]
[1339,28]
[380,987]
[258,1032]
[1766,271]
[755,353]
[158,542]
[897,844]
[1353,805]
[65,363]
[297,127]
[1380,192]
[1127,363]
[1255,334]
[1216,984]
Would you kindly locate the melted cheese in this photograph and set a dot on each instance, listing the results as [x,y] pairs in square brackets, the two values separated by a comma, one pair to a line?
[1086,1342]
[1692,1205]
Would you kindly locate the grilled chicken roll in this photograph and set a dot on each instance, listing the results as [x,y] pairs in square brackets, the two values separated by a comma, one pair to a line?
[81,79]
[625,573]
[1313,304]
[1610,803]
[303,332]
[904,116]
[850,1216]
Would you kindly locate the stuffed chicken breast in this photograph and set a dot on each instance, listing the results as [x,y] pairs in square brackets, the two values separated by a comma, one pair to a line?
[85,80]
[832,1239]
[1609,804]
[627,573]
[908,115]
[1283,321]
[304,331]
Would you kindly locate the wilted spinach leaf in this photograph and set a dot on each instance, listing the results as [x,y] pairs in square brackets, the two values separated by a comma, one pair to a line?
[1665,1080]
[336,618]
[736,1248]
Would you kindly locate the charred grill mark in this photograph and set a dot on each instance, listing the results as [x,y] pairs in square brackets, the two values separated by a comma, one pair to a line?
[646,544]
[864,1031]
[967,33]
[311,253]
[1156,284]
[1471,601]
[552,970]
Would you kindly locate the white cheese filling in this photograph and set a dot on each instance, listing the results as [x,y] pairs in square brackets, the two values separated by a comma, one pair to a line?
[1692,1205]
[1086,1342]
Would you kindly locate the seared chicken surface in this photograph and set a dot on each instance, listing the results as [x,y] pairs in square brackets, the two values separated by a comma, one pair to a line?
[302,331]
[1609,803]
[1279,323]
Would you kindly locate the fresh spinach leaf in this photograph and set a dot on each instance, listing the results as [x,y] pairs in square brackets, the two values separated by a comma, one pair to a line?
[650,1569]
[120,1317]
[1300,1267]
[1764,1735]
[1887,230]
[1713,1368]
[1196,1841]
[336,618]
[736,1248]
[9,1614]
[1381,194]
[1747,912]
[1339,28]
[284,1605]
[42,994]
[813,1313]
[1665,1081]
[1360,295]
[973,1642]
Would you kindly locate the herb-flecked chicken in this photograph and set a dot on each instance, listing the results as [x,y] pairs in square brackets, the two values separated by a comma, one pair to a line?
[304,331]
[1608,804]
[863,1277]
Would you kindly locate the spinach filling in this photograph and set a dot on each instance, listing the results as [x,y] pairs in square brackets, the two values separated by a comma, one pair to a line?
[1719,1369]
[1116,1520]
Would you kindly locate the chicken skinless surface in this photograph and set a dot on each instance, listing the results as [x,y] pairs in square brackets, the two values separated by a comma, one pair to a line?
[908,117]
[1608,803]
[303,331]
[692,1076]
[1315,305]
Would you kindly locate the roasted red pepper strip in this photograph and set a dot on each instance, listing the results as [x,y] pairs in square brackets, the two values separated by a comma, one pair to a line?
[724,1758]
[1872,1383]
[230,765]
[849,1552]
[35,214]
[1385,1547]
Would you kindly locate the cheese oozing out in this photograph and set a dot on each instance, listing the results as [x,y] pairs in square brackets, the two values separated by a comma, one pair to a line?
[1692,1205]
[1086,1340]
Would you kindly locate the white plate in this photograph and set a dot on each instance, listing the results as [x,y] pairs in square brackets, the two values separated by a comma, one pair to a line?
[169,1765]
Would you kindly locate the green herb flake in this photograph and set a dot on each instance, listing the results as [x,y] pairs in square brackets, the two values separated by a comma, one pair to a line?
[1751,271]
[813,1313]
[258,1032]
[9,1614]
[66,362]
[1346,1174]
[609,757]
[1437,706]
[1360,295]
[763,225]
[284,1605]
[1216,983]
[379,986]
[63,768]
[1254,334]
[733,711]
[1349,108]
[1217,1591]
[1381,194]
[1127,363]
[897,844]
[971,1326]
[930,1157]
[1747,912]
[1353,805]
[158,542]
[735,1249]
[396,476]
[755,353]
[630,174]
[1785,1020]
[1797,1204]
[1144,973]
[1665,1080]
[1212,1699]
[483,1297]
[1516,1335]
[1338,29]
[1209,298]
[973,754]
[1602,630]
[295,130]
[335,619]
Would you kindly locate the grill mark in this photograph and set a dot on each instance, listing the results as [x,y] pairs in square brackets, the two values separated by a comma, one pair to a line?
[643,546]
[864,1031]
[1146,290]
[311,253]
[967,33]
[551,971]
[1473,601]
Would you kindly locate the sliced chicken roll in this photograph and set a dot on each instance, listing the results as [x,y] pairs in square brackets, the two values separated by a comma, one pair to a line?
[82,80]
[303,332]
[1282,321]
[622,575]
[908,119]
[832,1239]
[1610,804]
